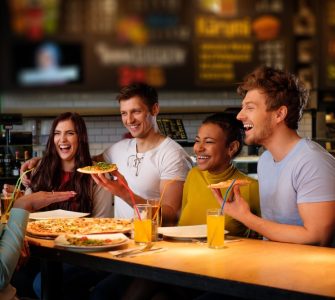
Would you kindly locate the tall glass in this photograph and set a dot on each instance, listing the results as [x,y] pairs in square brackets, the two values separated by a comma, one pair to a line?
[5,201]
[215,228]
[142,224]
[156,217]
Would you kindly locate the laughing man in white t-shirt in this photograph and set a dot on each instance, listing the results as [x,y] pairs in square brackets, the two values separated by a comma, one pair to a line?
[148,161]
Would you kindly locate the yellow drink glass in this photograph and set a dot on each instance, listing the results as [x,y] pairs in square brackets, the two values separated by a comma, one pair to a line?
[215,228]
[142,224]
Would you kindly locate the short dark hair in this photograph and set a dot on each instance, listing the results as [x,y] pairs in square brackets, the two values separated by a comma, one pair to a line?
[147,93]
[281,89]
[232,127]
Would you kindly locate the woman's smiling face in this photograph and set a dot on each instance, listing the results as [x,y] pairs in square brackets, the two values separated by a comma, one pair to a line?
[211,149]
[66,140]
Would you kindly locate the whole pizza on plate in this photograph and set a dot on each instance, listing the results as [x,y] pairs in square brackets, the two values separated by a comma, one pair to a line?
[55,227]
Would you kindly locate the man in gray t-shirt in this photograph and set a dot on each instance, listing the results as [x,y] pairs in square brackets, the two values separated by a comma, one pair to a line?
[302,176]
[296,176]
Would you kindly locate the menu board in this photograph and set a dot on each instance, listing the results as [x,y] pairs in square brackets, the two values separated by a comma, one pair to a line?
[171,44]
[173,128]
[327,70]
[234,38]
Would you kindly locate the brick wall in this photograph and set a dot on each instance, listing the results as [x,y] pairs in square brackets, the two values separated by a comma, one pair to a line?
[104,130]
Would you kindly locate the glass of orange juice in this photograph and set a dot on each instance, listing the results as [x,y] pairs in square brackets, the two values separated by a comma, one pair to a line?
[142,224]
[215,228]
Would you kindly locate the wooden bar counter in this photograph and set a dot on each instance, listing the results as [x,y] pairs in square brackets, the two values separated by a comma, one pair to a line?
[246,268]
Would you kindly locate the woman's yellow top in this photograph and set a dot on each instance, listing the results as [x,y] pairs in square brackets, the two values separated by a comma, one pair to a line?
[197,198]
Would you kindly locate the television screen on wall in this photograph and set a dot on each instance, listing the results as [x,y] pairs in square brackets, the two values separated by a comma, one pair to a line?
[47,64]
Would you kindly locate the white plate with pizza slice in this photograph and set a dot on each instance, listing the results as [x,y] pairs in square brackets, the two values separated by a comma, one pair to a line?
[57,213]
[91,242]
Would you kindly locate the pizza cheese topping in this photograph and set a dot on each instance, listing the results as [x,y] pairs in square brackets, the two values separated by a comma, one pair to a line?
[86,241]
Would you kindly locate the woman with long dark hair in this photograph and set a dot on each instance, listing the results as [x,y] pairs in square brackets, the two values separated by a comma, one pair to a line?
[66,150]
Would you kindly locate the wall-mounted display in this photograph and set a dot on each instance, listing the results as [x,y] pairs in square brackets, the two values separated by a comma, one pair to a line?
[47,64]
[172,45]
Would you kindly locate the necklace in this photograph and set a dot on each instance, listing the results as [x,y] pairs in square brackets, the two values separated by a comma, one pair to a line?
[134,162]
[137,161]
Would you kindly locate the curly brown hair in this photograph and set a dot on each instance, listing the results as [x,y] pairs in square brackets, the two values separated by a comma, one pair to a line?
[281,89]
[48,174]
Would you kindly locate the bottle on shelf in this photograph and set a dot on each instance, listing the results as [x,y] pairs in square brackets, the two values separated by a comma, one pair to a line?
[26,155]
[16,165]
[8,164]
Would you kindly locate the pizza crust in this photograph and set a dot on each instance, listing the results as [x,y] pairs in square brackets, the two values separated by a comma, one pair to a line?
[227,183]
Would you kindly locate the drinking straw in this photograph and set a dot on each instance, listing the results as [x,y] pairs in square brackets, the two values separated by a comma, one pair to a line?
[222,206]
[132,198]
[226,195]
[135,206]
[16,189]
[161,197]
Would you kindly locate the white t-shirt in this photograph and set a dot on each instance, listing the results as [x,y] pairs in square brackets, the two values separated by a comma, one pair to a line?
[306,174]
[144,171]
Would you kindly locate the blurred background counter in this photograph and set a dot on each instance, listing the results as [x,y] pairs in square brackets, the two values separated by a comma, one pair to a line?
[193,54]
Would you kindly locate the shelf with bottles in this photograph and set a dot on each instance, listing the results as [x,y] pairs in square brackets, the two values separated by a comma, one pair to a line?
[13,148]
[11,158]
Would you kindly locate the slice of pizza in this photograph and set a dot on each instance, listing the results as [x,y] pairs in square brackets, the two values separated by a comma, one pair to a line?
[227,183]
[90,241]
[98,168]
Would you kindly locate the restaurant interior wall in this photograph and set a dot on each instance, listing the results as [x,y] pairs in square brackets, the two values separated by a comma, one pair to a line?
[296,46]
[106,130]
[169,44]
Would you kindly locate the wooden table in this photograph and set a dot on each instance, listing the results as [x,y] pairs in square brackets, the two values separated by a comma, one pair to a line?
[246,268]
